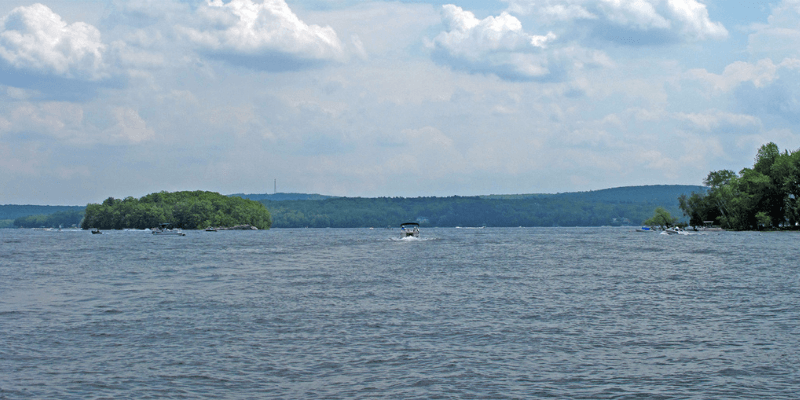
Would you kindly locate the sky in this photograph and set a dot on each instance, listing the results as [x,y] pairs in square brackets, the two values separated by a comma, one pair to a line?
[107,98]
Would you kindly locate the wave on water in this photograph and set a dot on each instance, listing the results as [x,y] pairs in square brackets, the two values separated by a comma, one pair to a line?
[317,314]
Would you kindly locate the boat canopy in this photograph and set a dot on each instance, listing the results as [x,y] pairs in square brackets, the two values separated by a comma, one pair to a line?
[409,223]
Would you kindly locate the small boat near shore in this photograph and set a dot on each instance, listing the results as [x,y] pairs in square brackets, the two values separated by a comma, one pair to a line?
[96,231]
[165,229]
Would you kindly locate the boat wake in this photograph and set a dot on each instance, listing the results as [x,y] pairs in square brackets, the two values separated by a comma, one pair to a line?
[411,239]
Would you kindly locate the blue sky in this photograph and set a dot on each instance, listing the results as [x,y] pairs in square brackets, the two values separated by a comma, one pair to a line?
[377,98]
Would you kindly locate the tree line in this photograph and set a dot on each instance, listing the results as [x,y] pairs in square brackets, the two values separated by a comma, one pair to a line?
[190,210]
[64,219]
[766,196]
[545,210]
[186,210]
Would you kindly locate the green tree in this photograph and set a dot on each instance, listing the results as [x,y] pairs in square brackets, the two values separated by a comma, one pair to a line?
[662,218]
[189,210]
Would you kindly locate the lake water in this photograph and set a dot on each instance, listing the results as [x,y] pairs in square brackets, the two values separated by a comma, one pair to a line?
[506,313]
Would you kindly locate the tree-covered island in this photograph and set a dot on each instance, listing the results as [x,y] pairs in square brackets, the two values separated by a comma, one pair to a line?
[186,210]
[766,196]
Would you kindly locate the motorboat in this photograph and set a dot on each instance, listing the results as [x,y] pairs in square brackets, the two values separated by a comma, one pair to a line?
[96,231]
[211,229]
[167,229]
[409,229]
[644,229]
[674,231]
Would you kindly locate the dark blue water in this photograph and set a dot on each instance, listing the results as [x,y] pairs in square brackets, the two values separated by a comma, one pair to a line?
[464,313]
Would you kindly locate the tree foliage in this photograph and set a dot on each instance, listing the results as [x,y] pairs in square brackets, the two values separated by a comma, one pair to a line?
[662,218]
[765,196]
[187,210]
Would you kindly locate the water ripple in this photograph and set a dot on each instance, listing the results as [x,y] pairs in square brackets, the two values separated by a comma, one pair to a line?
[592,313]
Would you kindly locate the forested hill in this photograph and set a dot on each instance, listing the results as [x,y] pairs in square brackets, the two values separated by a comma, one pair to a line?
[655,194]
[666,195]
[12,211]
[618,206]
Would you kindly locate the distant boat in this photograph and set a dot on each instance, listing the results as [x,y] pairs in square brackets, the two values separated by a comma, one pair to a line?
[409,229]
[644,229]
[211,229]
[166,229]
[96,231]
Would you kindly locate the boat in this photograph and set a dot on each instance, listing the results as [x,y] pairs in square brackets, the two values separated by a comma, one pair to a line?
[644,229]
[211,229]
[166,229]
[409,229]
[96,231]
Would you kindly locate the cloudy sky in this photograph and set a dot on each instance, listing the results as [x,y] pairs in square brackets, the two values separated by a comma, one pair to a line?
[104,98]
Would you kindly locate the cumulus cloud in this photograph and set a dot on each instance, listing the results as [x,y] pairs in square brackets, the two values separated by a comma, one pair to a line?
[35,39]
[760,74]
[779,37]
[720,121]
[780,98]
[129,127]
[763,88]
[66,123]
[633,22]
[496,45]
[266,35]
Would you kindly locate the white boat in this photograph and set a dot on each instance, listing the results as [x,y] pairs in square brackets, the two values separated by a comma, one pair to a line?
[410,229]
[166,229]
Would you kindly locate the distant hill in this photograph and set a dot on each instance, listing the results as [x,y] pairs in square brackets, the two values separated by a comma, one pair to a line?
[665,195]
[13,211]
[618,206]
[281,196]
[628,205]
[653,194]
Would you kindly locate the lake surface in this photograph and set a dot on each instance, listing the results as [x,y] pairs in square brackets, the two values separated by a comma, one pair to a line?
[505,313]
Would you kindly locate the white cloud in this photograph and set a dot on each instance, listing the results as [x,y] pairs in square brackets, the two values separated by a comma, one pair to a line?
[129,127]
[760,74]
[495,44]
[691,18]
[269,31]
[36,39]
[60,120]
[720,121]
[778,38]
[66,124]
[616,20]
